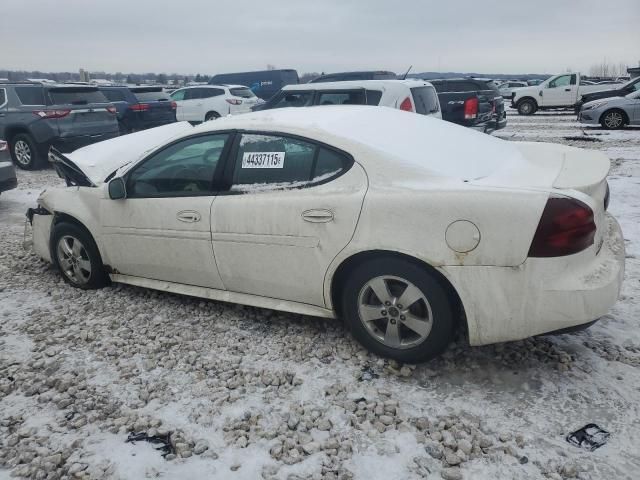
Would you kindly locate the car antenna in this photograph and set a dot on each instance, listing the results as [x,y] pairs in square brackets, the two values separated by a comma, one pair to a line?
[407,72]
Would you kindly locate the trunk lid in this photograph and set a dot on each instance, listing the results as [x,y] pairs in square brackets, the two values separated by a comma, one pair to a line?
[97,161]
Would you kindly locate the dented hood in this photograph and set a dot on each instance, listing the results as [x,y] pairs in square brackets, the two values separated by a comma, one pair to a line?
[96,162]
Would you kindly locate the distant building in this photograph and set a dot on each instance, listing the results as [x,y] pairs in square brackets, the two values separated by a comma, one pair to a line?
[84,76]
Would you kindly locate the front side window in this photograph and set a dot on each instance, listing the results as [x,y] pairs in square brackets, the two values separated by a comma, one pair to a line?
[562,81]
[183,169]
[268,162]
[354,97]
[293,99]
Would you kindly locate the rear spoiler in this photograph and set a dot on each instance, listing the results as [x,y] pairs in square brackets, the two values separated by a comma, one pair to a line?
[67,170]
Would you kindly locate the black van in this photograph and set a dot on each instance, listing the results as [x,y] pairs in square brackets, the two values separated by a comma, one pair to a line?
[264,84]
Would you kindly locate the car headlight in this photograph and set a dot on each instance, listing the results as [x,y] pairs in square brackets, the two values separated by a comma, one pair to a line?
[591,106]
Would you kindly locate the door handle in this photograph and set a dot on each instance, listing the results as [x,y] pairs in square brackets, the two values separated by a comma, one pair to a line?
[188,216]
[319,215]
[567,89]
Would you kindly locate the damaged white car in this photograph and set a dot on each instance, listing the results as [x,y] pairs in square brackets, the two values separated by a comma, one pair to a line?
[406,227]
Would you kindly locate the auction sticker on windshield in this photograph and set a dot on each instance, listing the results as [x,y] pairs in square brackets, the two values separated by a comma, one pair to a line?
[263,160]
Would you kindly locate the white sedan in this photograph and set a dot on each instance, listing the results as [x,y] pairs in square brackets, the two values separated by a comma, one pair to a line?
[405,226]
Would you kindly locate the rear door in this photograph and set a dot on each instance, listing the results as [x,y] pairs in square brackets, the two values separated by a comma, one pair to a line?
[293,205]
[83,111]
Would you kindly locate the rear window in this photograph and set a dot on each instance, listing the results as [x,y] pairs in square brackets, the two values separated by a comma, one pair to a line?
[114,95]
[76,96]
[151,96]
[30,95]
[462,86]
[243,92]
[425,99]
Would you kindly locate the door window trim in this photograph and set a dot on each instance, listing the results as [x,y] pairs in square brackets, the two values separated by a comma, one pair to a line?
[215,179]
[6,99]
[230,162]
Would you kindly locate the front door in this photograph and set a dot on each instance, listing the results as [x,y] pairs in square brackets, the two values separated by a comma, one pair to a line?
[292,207]
[162,229]
[561,91]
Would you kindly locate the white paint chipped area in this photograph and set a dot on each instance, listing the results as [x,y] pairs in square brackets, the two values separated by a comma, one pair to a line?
[250,394]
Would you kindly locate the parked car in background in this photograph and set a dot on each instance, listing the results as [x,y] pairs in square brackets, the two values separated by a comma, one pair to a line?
[350,76]
[559,91]
[613,112]
[410,95]
[140,107]
[534,81]
[34,117]
[264,84]
[624,89]
[506,88]
[8,178]
[209,102]
[406,227]
[471,103]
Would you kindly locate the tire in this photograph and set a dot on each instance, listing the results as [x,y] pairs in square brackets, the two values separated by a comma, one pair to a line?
[613,119]
[24,152]
[527,106]
[432,314]
[85,271]
[211,116]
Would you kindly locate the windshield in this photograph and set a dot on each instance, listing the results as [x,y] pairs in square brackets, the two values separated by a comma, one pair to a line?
[243,92]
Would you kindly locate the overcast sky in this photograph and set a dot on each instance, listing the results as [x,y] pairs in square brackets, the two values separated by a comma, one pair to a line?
[217,36]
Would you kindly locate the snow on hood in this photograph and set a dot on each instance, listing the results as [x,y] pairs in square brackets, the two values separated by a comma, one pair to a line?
[100,159]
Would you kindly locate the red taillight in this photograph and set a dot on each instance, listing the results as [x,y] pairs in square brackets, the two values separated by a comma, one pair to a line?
[233,101]
[111,109]
[139,107]
[406,105]
[51,113]
[3,146]
[470,108]
[174,105]
[566,227]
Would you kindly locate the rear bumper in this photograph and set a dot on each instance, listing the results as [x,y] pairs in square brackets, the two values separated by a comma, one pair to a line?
[543,294]
[8,178]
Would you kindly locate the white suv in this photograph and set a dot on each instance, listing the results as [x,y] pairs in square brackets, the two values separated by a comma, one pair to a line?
[208,102]
[411,95]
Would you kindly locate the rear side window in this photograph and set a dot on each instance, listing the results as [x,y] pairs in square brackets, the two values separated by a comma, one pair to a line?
[293,99]
[30,95]
[3,97]
[243,92]
[355,97]
[266,162]
[425,100]
[71,96]
[114,95]
[151,96]
[208,92]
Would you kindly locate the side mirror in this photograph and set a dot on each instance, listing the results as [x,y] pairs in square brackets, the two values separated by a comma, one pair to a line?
[117,189]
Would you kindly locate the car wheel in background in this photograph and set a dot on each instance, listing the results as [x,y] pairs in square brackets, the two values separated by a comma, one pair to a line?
[398,309]
[211,116]
[527,107]
[613,119]
[24,152]
[76,255]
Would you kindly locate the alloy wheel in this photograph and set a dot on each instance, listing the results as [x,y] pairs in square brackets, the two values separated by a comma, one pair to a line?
[74,260]
[613,120]
[395,312]
[23,152]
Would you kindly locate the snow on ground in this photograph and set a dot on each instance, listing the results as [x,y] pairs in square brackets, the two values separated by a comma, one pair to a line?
[249,393]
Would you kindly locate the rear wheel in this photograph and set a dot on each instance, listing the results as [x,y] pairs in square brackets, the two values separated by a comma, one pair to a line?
[527,107]
[398,309]
[24,152]
[211,116]
[77,256]
[613,119]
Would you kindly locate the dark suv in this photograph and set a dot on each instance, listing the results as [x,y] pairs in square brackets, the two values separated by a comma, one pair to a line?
[140,108]
[34,117]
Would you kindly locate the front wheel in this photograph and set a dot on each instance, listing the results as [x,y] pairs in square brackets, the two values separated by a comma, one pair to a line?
[527,107]
[398,309]
[612,120]
[77,257]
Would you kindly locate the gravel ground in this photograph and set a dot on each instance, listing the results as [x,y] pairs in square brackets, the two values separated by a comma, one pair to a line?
[247,393]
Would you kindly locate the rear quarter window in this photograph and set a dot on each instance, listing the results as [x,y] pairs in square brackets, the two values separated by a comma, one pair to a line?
[373,97]
[30,95]
[355,97]
[69,96]
[425,100]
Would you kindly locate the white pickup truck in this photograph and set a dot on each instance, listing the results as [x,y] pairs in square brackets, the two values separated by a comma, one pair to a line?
[560,91]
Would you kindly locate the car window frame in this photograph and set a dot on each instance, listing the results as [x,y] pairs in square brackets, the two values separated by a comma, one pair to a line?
[6,98]
[215,179]
[230,162]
